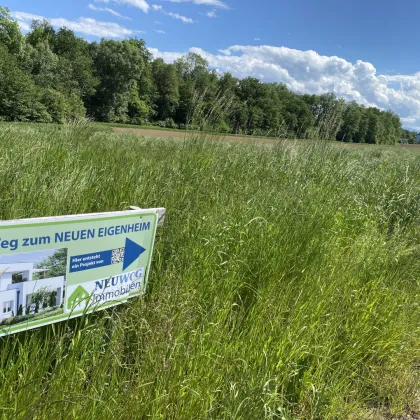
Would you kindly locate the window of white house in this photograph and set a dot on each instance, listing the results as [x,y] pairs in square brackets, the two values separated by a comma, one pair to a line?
[7,306]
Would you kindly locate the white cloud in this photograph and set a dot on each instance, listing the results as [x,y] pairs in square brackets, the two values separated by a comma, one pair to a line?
[159,31]
[184,19]
[24,26]
[157,22]
[168,57]
[82,25]
[25,17]
[225,52]
[211,14]
[108,10]
[310,72]
[24,20]
[179,17]
[256,39]
[140,4]
[214,3]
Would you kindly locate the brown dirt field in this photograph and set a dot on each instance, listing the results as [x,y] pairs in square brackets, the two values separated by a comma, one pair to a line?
[180,135]
[411,146]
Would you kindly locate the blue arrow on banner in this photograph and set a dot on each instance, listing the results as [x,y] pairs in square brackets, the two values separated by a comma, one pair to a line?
[132,252]
[127,255]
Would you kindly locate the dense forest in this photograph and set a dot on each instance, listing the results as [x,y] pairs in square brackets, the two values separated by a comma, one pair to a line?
[50,75]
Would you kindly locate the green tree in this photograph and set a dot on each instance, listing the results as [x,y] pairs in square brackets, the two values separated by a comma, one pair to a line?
[10,35]
[373,125]
[193,77]
[118,65]
[75,66]
[351,121]
[167,89]
[411,136]
[297,117]
[56,264]
[41,32]
[139,110]
[52,75]
[19,96]
[40,298]
[328,113]
[361,134]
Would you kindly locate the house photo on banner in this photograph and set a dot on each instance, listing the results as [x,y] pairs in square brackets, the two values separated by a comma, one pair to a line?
[29,288]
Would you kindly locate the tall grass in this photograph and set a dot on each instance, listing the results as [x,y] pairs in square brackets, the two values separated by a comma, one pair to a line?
[285,281]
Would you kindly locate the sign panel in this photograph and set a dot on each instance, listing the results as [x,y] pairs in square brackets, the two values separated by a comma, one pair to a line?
[53,269]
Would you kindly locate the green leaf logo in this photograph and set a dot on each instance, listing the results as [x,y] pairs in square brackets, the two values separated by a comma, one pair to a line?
[77,297]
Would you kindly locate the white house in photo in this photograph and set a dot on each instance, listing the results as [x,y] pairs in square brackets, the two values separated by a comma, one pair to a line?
[19,292]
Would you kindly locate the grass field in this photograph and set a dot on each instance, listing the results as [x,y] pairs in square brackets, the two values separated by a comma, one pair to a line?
[285,281]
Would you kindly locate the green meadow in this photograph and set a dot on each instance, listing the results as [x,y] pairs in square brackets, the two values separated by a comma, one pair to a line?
[284,284]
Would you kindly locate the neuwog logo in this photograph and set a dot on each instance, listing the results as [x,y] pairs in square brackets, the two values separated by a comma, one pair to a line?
[117,287]
[119,279]
[100,291]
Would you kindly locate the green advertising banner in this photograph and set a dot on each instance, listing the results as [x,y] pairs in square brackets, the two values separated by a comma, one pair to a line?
[53,269]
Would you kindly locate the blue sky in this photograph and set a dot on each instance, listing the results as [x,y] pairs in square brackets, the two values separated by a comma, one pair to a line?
[34,256]
[363,50]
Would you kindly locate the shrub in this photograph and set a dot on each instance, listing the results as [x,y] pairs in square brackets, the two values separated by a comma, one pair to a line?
[170,123]
[56,105]
[223,127]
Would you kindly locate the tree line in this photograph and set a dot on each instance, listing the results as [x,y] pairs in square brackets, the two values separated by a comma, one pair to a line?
[50,75]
